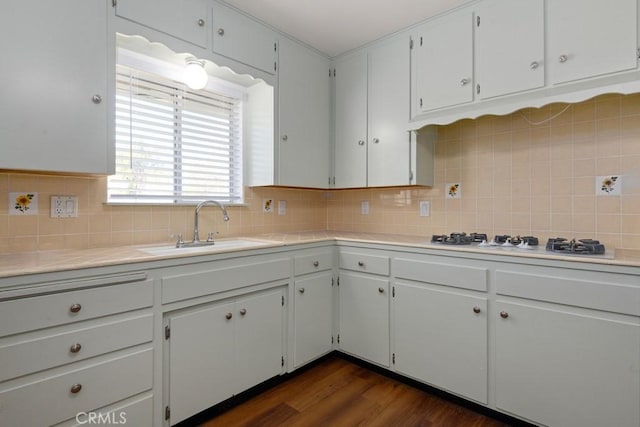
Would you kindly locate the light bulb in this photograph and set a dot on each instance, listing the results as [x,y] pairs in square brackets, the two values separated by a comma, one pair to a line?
[195,76]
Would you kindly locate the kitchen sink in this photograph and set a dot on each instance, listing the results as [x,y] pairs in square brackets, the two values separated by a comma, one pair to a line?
[218,245]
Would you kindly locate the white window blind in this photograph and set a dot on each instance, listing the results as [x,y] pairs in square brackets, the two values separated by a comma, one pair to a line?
[174,145]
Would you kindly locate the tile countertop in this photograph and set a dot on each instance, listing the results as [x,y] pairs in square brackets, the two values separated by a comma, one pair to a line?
[18,264]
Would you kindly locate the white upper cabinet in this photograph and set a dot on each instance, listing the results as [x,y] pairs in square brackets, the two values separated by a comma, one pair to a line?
[443,58]
[388,144]
[187,20]
[240,38]
[304,105]
[53,112]
[588,38]
[350,160]
[509,46]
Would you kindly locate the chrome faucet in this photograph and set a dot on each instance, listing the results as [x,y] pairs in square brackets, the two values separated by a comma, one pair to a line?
[196,237]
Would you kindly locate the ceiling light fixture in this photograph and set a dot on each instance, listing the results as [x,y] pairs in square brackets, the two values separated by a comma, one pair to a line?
[195,76]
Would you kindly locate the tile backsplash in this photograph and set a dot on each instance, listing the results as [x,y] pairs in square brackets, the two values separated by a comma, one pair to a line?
[513,177]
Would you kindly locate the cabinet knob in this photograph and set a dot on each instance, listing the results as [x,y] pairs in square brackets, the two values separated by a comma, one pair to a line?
[201,22]
[534,65]
[381,290]
[360,264]
[228,316]
[464,82]
[301,290]
[75,308]
[285,137]
[97,99]
[221,31]
[316,263]
[563,58]
[243,311]
[360,142]
[75,348]
[76,388]
[376,140]
[504,314]
[476,309]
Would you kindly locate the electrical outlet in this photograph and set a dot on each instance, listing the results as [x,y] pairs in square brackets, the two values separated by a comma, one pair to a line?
[282,207]
[425,208]
[64,206]
[364,207]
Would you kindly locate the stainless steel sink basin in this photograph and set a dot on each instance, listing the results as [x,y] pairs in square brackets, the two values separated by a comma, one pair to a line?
[219,245]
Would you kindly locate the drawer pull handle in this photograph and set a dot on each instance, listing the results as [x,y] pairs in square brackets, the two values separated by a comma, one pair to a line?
[221,31]
[316,263]
[243,311]
[504,314]
[476,309]
[75,308]
[360,264]
[301,290]
[228,316]
[381,290]
[76,388]
[201,22]
[76,348]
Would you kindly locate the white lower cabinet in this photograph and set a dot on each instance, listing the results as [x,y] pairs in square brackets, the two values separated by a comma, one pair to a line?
[440,337]
[313,305]
[218,350]
[560,367]
[364,316]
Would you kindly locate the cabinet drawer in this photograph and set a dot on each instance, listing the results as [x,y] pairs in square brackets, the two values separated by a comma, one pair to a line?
[305,264]
[43,311]
[136,411]
[185,286]
[474,278]
[52,399]
[601,291]
[366,263]
[58,348]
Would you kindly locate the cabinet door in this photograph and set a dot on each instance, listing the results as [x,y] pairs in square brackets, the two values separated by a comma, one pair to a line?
[187,20]
[56,62]
[350,161]
[388,147]
[364,317]
[239,37]
[565,369]
[258,339]
[591,38]
[304,89]
[509,46]
[201,360]
[444,62]
[313,307]
[441,339]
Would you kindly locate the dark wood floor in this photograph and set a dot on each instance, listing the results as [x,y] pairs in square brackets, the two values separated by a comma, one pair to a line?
[339,393]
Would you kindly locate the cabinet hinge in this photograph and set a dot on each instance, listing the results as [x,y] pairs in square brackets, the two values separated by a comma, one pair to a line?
[331,339]
[410,176]
[393,358]
[477,21]
[283,300]
[638,53]
[167,332]
[338,338]
[338,280]
[334,180]
[334,72]
[420,40]
[332,282]
[275,66]
[420,102]
[478,88]
[410,43]
[393,291]
[282,361]
[329,181]
[167,413]
[114,3]
[275,47]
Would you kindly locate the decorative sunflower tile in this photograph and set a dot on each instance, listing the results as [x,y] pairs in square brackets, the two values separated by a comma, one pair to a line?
[23,203]
[608,185]
[453,190]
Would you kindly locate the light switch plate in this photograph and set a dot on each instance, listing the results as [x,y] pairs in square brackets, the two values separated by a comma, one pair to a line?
[282,207]
[425,208]
[64,206]
[364,207]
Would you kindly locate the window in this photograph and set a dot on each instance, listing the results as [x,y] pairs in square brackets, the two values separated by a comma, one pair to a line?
[175,145]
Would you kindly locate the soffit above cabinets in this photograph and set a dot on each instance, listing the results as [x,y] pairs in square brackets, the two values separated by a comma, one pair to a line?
[336,26]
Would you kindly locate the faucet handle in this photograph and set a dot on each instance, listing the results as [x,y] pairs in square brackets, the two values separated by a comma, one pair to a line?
[211,235]
[180,242]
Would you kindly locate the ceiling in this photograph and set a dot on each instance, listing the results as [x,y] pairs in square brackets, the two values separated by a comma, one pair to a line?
[337,26]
